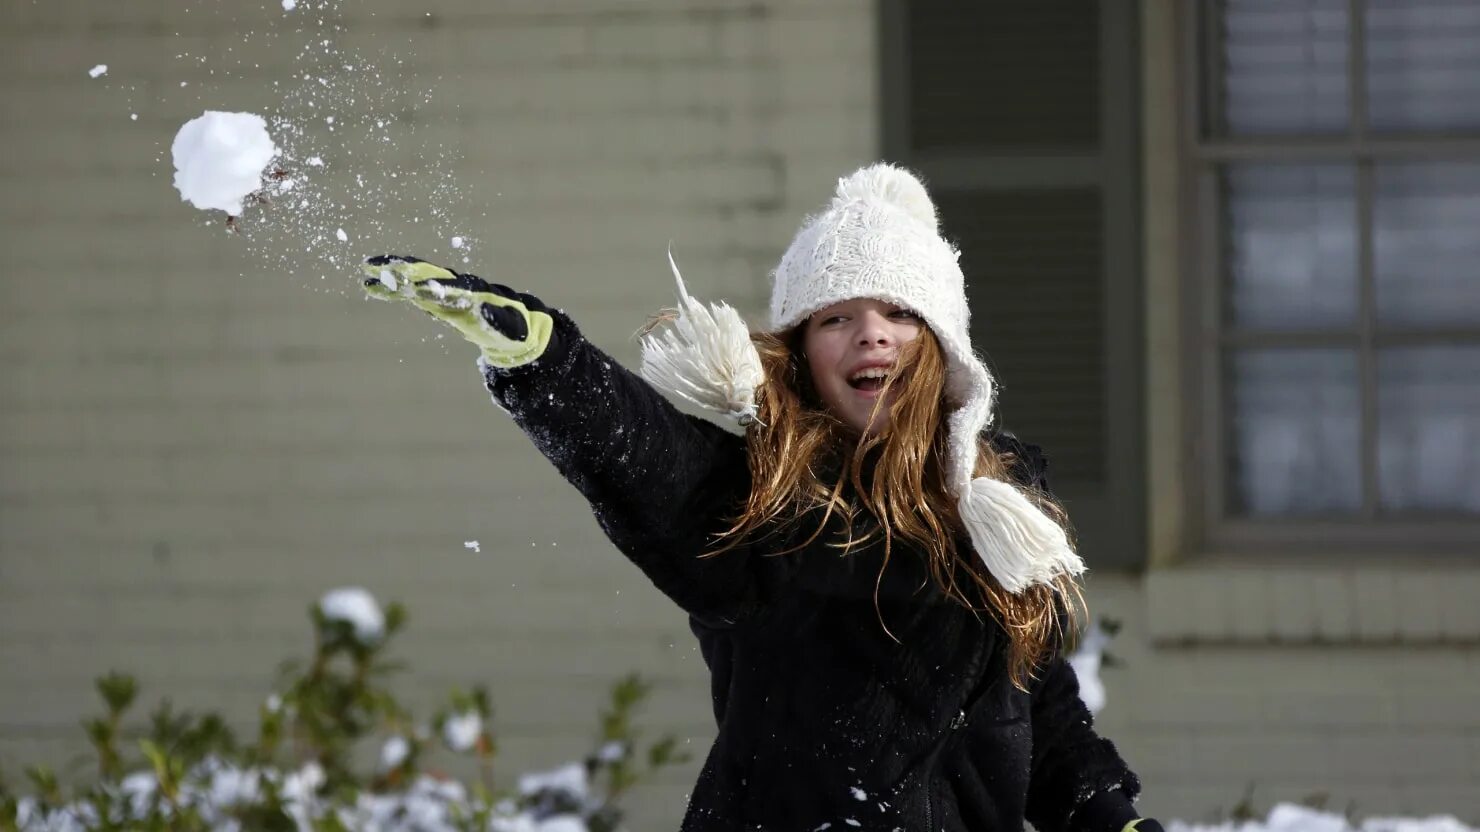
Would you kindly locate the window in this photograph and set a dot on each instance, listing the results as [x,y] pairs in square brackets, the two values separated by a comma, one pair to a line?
[1022,118]
[1336,156]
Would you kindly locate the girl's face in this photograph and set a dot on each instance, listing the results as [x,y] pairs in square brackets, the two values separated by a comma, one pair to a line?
[850,346]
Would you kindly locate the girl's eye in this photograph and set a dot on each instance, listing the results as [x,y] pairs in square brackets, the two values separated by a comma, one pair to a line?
[905,314]
[833,320]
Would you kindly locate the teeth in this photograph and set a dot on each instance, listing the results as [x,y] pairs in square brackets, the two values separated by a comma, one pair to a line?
[871,372]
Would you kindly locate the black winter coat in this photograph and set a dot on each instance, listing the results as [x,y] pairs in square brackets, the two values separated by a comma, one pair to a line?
[825,722]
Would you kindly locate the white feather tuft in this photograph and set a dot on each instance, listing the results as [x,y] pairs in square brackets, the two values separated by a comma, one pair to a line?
[1020,545]
[705,357]
[886,183]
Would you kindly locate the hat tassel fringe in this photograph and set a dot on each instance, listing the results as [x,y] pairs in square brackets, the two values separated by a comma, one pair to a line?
[705,357]
[1020,545]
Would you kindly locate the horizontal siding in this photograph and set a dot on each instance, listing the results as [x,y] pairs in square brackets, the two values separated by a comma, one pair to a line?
[200,433]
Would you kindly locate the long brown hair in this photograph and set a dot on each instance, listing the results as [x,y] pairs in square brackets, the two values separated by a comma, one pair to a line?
[798,445]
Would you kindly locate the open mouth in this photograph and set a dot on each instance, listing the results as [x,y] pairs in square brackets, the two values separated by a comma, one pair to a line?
[869,380]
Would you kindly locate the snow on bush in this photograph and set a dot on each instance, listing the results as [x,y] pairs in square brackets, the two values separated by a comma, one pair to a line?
[184,772]
[356,607]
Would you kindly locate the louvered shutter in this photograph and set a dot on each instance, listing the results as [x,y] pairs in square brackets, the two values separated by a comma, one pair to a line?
[1021,118]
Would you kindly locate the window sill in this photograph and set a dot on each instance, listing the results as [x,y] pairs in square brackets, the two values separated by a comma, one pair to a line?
[1254,601]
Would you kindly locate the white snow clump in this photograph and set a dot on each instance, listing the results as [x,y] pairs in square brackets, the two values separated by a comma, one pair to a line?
[356,606]
[219,159]
[1086,662]
[460,731]
[100,69]
[394,752]
[569,779]
[1287,817]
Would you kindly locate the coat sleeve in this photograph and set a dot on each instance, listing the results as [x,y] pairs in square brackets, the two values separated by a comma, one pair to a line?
[1078,781]
[659,481]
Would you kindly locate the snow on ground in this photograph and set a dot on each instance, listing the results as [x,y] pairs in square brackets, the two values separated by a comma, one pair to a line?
[1287,817]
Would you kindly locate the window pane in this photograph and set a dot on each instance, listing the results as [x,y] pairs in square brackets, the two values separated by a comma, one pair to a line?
[1425,245]
[1423,64]
[1293,433]
[1429,429]
[1291,246]
[1284,66]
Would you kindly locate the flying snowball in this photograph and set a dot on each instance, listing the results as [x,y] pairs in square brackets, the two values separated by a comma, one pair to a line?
[219,159]
[290,5]
[100,69]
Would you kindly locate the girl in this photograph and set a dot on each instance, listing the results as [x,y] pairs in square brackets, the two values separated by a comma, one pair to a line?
[878,583]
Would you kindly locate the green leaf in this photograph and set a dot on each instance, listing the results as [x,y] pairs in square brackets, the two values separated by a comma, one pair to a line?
[664,752]
[118,691]
[44,780]
[395,618]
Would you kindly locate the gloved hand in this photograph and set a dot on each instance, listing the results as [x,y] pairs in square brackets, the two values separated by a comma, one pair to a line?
[1143,825]
[511,328]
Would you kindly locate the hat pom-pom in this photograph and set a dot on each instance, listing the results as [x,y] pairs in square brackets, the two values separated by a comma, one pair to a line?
[886,183]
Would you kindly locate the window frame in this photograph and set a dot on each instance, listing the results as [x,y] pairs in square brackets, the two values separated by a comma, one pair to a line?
[1207,341]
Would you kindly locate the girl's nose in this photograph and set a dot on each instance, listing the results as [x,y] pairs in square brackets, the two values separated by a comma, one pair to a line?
[874,329]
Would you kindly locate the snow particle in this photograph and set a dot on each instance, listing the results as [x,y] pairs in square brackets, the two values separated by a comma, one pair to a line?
[343,237]
[290,5]
[457,242]
[469,544]
[859,794]
[100,69]
[133,116]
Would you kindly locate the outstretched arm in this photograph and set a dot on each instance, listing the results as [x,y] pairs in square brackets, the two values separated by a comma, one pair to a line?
[657,479]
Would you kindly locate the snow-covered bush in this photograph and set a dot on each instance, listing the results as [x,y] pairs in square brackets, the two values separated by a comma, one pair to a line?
[186,771]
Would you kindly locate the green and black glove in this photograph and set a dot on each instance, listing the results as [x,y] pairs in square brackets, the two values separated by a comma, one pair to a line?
[1143,825]
[511,328]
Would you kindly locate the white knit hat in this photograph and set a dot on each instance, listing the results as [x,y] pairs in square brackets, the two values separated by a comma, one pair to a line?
[879,238]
